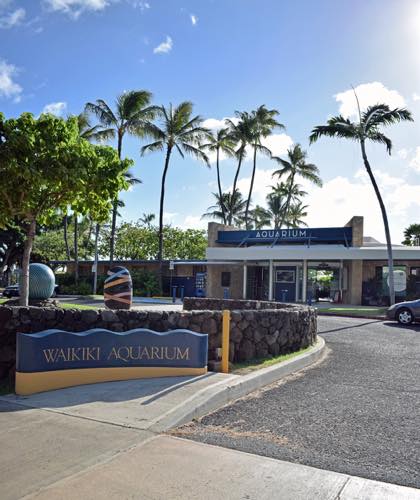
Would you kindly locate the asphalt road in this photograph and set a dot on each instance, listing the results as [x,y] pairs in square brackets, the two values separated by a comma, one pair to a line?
[357,411]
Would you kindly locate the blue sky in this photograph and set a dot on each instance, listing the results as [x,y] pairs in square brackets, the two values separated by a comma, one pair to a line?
[298,56]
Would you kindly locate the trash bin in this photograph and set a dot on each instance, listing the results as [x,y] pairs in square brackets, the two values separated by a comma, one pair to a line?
[225,293]
[174,287]
[284,295]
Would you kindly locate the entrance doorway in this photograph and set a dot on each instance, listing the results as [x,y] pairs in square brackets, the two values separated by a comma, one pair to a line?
[324,282]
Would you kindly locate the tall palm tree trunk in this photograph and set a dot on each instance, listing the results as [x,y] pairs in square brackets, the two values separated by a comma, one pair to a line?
[386,225]
[219,185]
[235,181]
[76,251]
[162,201]
[27,249]
[251,187]
[65,234]
[287,204]
[114,209]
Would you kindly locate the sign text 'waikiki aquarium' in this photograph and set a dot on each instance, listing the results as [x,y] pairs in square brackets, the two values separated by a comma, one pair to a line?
[55,359]
[323,235]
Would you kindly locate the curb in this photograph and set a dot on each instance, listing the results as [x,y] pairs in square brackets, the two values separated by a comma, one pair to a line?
[359,316]
[222,393]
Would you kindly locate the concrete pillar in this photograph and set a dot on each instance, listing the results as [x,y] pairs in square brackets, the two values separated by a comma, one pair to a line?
[270,280]
[305,279]
[244,281]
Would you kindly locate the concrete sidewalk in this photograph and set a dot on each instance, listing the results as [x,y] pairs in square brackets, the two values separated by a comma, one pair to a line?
[171,468]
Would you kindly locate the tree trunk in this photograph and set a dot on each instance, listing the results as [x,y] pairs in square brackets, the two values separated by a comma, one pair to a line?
[386,225]
[251,187]
[95,276]
[114,209]
[219,184]
[162,199]
[27,249]
[66,240]
[235,180]
[287,204]
[76,251]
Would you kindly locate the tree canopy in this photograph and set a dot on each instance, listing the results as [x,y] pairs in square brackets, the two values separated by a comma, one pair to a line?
[45,167]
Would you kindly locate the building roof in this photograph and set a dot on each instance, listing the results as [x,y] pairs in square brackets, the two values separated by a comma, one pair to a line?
[315,252]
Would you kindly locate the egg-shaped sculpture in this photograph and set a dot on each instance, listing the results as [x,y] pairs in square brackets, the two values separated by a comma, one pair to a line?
[41,281]
[118,288]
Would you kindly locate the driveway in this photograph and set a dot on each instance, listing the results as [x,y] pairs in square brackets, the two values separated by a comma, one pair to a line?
[356,412]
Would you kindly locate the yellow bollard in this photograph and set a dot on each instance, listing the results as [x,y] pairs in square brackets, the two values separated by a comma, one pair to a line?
[225,341]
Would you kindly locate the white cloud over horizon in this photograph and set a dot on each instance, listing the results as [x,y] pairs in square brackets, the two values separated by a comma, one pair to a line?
[55,108]
[194,19]
[8,87]
[164,47]
[368,94]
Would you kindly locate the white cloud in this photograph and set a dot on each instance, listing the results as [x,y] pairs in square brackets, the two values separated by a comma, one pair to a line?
[74,8]
[140,4]
[194,222]
[8,87]
[415,162]
[402,153]
[278,144]
[168,217]
[194,19]
[215,124]
[341,198]
[55,108]
[416,97]
[164,47]
[368,95]
[12,18]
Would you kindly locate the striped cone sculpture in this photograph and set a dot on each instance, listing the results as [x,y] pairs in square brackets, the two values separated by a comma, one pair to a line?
[118,288]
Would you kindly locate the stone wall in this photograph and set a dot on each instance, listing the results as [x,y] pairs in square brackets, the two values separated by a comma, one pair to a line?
[255,331]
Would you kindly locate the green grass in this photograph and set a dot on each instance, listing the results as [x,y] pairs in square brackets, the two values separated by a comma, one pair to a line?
[354,311]
[2,301]
[66,305]
[257,364]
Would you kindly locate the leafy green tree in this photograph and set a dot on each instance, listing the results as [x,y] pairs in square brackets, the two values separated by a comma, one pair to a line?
[263,122]
[45,167]
[135,241]
[133,114]
[221,142]
[412,235]
[292,168]
[368,128]
[179,131]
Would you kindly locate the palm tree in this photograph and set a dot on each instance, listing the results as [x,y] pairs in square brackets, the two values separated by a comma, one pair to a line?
[263,121]
[147,219]
[133,113]
[223,142]
[91,133]
[234,208]
[296,214]
[240,131]
[179,131]
[367,128]
[296,166]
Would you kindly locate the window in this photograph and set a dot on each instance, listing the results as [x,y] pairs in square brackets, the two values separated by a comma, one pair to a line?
[415,272]
[225,279]
[285,276]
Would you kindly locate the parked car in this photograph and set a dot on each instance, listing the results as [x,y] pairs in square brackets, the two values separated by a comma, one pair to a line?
[405,312]
[13,291]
